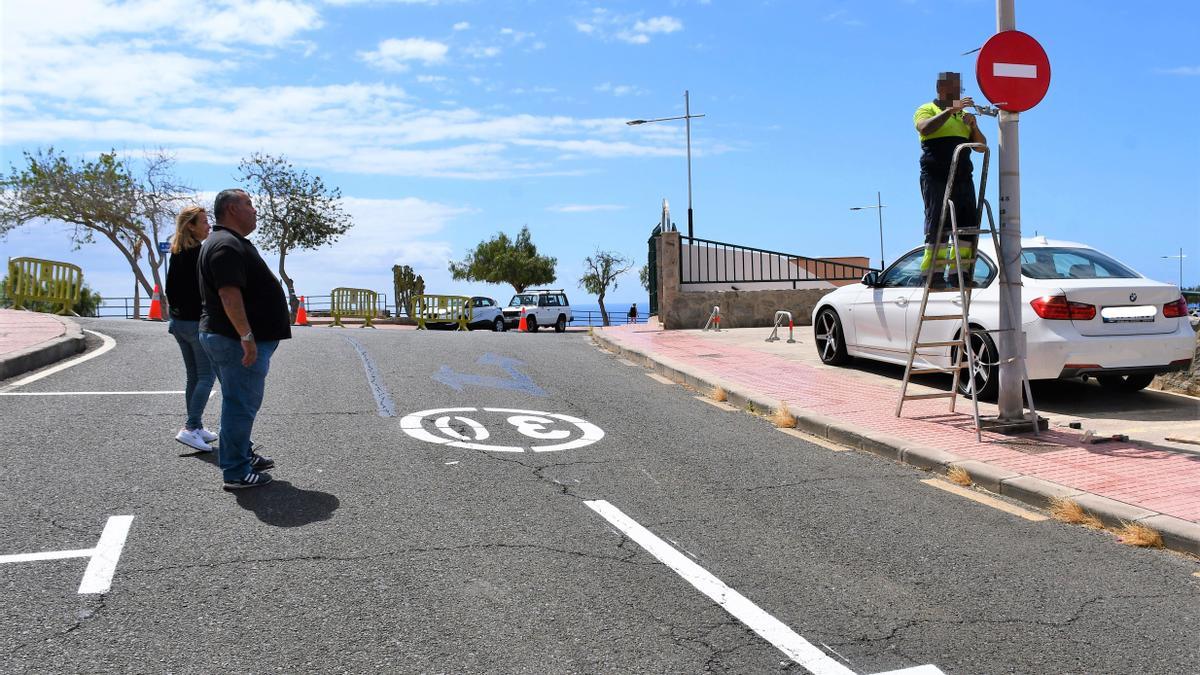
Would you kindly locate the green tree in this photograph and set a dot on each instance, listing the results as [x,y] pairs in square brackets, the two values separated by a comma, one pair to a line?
[602,270]
[105,196]
[501,260]
[644,276]
[408,285]
[295,210]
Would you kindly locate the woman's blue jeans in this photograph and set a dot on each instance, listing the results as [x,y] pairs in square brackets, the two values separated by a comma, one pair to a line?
[200,374]
[241,397]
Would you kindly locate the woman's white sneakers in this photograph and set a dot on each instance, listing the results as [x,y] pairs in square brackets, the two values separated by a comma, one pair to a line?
[196,439]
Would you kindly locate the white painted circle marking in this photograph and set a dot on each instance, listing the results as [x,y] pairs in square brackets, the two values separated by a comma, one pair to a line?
[464,431]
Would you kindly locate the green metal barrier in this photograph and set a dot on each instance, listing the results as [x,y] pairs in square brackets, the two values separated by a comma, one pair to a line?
[443,309]
[355,303]
[37,280]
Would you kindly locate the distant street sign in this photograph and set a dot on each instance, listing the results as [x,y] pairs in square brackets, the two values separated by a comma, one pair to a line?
[1013,71]
[164,247]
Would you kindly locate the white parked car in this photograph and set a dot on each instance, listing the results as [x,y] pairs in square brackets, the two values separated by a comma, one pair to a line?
[486,314]
[542,308]
[1084,315]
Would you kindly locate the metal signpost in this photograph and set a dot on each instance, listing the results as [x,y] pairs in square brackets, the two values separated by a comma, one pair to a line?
[1013,71]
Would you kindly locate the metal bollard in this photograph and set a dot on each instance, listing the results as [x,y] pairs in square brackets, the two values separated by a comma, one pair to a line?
[779,316]
[714,319]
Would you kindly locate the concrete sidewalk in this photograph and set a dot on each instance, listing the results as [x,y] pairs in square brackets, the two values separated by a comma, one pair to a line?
[1147,482]
[30,340]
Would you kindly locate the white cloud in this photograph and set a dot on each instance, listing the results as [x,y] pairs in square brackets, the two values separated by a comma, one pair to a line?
[1186,71]
[584,208]
[480,52]
[659,24]
[619,89]
[462,25]
[395,55]
[630,28]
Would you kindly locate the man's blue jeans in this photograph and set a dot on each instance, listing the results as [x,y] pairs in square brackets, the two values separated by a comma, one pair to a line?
[241,397]
[200,375]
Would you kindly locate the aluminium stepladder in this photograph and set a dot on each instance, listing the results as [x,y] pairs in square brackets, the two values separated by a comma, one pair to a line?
[963,354]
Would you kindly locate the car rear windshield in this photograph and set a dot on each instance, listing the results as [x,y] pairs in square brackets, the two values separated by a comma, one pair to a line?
[1071,263]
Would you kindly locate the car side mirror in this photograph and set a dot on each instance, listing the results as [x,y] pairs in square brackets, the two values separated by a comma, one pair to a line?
[871,279]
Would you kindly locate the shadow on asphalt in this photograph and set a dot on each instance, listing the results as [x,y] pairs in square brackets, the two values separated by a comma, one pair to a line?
[282,504]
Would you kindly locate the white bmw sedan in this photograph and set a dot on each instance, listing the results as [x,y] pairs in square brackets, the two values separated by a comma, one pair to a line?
[1084,315]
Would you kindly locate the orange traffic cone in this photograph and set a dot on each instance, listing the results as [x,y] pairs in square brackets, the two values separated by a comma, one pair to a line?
[301,314]
[523,325]
[155,306]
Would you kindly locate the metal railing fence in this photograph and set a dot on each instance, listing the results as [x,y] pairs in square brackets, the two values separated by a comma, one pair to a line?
[704,261]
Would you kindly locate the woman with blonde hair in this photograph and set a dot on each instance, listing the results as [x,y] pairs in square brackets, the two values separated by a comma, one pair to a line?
[183,299]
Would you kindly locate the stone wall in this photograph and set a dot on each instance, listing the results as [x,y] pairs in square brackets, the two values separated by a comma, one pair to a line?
[680,309]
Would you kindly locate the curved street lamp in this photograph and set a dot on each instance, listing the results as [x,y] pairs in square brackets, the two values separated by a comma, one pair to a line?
[878,207]
[688,117]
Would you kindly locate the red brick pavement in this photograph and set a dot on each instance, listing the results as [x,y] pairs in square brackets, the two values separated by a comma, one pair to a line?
[1159,480]
[20,329]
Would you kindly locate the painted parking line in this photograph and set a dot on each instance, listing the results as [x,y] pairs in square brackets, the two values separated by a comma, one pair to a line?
[97,578]
[768,627]
[717,404]
[628,362]
[985,500]
[815,440]
[109,343]
[383,400]
[659,378]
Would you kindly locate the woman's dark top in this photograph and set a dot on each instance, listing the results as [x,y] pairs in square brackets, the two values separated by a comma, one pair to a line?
[183,285]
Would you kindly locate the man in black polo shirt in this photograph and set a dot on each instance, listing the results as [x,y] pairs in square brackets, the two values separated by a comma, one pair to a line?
[245,316]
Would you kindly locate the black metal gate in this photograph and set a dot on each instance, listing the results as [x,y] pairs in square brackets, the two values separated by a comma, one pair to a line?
[652,270]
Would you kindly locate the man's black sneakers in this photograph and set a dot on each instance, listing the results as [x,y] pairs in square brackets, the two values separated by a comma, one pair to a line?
[260,462]
[252,480]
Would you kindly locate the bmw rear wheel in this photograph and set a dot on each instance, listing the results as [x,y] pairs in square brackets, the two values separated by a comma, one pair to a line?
[985,377]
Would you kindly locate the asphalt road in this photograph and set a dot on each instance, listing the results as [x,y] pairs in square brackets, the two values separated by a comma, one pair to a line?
[379,551]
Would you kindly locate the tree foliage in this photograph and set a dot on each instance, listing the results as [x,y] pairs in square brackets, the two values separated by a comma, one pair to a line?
[132,209]
[408,285]
[644,277]
[501,260]
[600,276]
[295,210]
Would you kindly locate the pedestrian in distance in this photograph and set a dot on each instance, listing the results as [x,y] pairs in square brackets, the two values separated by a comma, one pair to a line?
[245,317]
[943,125]
[632,316]
[183,299]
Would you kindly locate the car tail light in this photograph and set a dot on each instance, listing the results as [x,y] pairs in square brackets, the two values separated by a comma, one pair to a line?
[1176,309]
[1058,307]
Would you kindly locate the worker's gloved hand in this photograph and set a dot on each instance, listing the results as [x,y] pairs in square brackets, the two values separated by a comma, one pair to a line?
[969,119]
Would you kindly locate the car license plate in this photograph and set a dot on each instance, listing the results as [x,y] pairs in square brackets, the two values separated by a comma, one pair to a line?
[1135,314]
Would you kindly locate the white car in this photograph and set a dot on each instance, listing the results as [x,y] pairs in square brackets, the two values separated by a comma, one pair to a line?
[1084,315]
[542,307]
[486,314]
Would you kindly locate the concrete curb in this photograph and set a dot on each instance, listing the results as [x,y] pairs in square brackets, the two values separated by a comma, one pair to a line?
[68,344]
[1178,534]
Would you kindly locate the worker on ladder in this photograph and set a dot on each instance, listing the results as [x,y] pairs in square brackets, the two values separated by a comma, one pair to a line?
[943,125]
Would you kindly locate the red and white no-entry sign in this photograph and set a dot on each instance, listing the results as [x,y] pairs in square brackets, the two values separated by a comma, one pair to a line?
[1013,71]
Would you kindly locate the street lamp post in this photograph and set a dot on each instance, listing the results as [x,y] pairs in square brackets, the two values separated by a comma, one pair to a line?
[687,117]
[1181,256]
[878,207]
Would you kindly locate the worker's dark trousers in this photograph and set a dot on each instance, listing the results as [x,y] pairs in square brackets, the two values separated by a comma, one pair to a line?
[933,191]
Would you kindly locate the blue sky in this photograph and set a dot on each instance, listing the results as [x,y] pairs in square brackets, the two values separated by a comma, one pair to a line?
[446,121]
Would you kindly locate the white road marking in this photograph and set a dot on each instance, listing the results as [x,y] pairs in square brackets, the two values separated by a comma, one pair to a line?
[768,627]
[1021,70]
[90,393]
[628,362]
[985,500]
[771,629]
[815,440]
[717,404]
[530,423]
[109,343]
[97,578]
[46,555]
[659,378]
